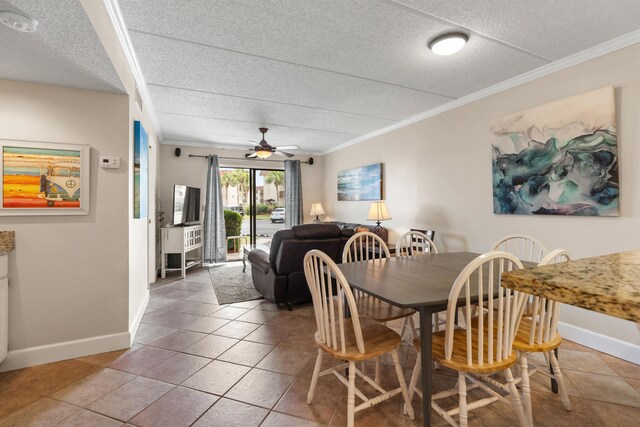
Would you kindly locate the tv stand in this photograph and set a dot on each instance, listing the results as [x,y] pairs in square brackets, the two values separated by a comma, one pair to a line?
[181,240]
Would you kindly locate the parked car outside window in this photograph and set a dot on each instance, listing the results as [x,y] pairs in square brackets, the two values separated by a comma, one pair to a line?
[277,215]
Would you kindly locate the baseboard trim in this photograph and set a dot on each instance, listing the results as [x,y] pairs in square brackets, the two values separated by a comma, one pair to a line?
[23,358]
[133,327]
[613,346]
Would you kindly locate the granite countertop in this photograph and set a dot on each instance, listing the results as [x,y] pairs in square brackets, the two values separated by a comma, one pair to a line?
[608,284]
[7,241]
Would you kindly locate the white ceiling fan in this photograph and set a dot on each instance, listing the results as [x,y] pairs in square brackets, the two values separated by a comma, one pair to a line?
[264,150]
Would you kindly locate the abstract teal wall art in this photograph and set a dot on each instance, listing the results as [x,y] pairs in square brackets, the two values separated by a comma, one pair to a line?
[140,171]
[363,183]
[560,158]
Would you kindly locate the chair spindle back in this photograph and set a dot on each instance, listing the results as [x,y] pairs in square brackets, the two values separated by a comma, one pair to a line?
[524,247]
[362,247]
[415,243]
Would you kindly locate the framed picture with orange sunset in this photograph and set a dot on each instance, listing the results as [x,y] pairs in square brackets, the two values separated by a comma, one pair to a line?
[41,178]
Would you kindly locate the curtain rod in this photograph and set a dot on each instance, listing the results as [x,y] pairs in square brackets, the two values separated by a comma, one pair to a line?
[310,162]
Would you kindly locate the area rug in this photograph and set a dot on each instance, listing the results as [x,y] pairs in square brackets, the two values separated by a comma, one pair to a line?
[231,284]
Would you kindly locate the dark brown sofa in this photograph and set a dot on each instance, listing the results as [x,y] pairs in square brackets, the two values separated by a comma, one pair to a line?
[279,275]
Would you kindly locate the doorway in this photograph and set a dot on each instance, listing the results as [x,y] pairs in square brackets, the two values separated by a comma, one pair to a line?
[257,195]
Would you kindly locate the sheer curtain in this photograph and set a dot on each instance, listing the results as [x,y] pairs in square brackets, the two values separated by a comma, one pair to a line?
[293,193]
[215,239]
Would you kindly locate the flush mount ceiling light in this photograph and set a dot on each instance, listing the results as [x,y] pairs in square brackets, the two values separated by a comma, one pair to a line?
[17,21]
[448,44]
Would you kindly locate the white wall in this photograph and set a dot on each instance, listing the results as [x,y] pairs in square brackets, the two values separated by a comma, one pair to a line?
[69,274]
[193,172]
[438,176]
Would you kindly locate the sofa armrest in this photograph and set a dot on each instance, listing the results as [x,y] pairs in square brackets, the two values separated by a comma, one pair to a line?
[259,259]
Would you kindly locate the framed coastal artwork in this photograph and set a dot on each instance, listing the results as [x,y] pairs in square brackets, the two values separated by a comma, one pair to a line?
[363,183]
[140,171]
[40,178]
[560,158]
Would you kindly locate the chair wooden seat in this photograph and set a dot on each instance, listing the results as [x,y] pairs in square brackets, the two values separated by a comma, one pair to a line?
[379,338]
[521,342]
[380,311]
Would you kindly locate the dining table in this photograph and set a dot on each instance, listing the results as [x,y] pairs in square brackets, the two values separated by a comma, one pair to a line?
[422,282]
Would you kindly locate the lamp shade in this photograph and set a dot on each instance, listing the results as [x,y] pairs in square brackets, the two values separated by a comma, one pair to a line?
[263,154]
[378,211]
[316,209]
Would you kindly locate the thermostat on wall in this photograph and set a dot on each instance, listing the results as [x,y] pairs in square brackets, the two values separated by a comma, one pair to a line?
[109,162]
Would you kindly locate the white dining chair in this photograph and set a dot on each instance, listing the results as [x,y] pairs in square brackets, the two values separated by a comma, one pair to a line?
[538,333]
[524,247]
[415,243]
[354,339]
[365,246]
[483,349]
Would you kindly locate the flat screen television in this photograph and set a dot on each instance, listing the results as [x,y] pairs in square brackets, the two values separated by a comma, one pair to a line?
[186,205]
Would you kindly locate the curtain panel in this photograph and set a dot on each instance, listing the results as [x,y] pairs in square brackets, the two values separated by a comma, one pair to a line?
[293,193]
[215,239]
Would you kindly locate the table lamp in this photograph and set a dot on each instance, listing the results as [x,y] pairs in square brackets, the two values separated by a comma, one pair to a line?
[378,212]
[316,209]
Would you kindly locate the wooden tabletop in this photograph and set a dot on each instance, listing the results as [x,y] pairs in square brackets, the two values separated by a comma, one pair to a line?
[608,284]
[414,281]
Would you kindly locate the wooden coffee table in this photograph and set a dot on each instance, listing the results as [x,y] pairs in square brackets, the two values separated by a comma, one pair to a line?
[245,253]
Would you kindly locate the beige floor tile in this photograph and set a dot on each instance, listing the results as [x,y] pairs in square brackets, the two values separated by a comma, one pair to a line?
[93,387]
[286,360]
[156,301]
[131,398]
[276,419]
[542,382]
[548,411]
[268,334]
[633,383]
[570,345]
[179,407]
[103,359]
[269,306]
[177,369]
[325,401]
[248,304]
[260,388]
[142,360]
[583,361]
[257,316]
[383,414]
[205,297]
[217,377]
[84,418]
[246,353]
[211,346]
[192,307]
[148,333]
[178,340]
[200,323]
[621,367]
[301,341]
[14,398]
[236,329]
[46,379]
[230,413]
[230,313]
[612,415]
[44,412]
[605,388]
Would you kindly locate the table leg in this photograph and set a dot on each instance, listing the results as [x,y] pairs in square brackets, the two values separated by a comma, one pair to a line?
[244,259]
[426,327]
[554,383]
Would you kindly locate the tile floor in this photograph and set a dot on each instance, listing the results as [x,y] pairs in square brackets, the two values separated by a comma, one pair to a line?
[198,363]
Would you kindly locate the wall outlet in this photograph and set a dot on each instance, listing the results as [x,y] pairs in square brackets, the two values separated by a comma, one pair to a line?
[109,162]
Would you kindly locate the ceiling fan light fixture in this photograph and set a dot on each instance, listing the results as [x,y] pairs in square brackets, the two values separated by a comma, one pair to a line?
[448,44]
[17,21]
[263,154]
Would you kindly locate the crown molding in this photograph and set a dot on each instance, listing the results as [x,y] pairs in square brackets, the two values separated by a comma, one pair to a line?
[559,65]
[120,28]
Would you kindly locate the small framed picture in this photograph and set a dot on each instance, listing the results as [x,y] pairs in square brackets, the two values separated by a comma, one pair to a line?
[41,178]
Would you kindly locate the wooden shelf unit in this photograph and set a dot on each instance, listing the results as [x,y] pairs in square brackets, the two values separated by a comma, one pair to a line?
[181,241]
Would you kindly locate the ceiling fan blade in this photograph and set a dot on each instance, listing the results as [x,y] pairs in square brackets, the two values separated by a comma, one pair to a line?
[250,156]
[288,147]
[282,153]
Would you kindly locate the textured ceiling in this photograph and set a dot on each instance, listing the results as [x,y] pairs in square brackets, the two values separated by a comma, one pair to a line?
[320,73]
[65,49]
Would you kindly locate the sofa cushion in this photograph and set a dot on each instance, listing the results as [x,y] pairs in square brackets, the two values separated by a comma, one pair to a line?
[315,231]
